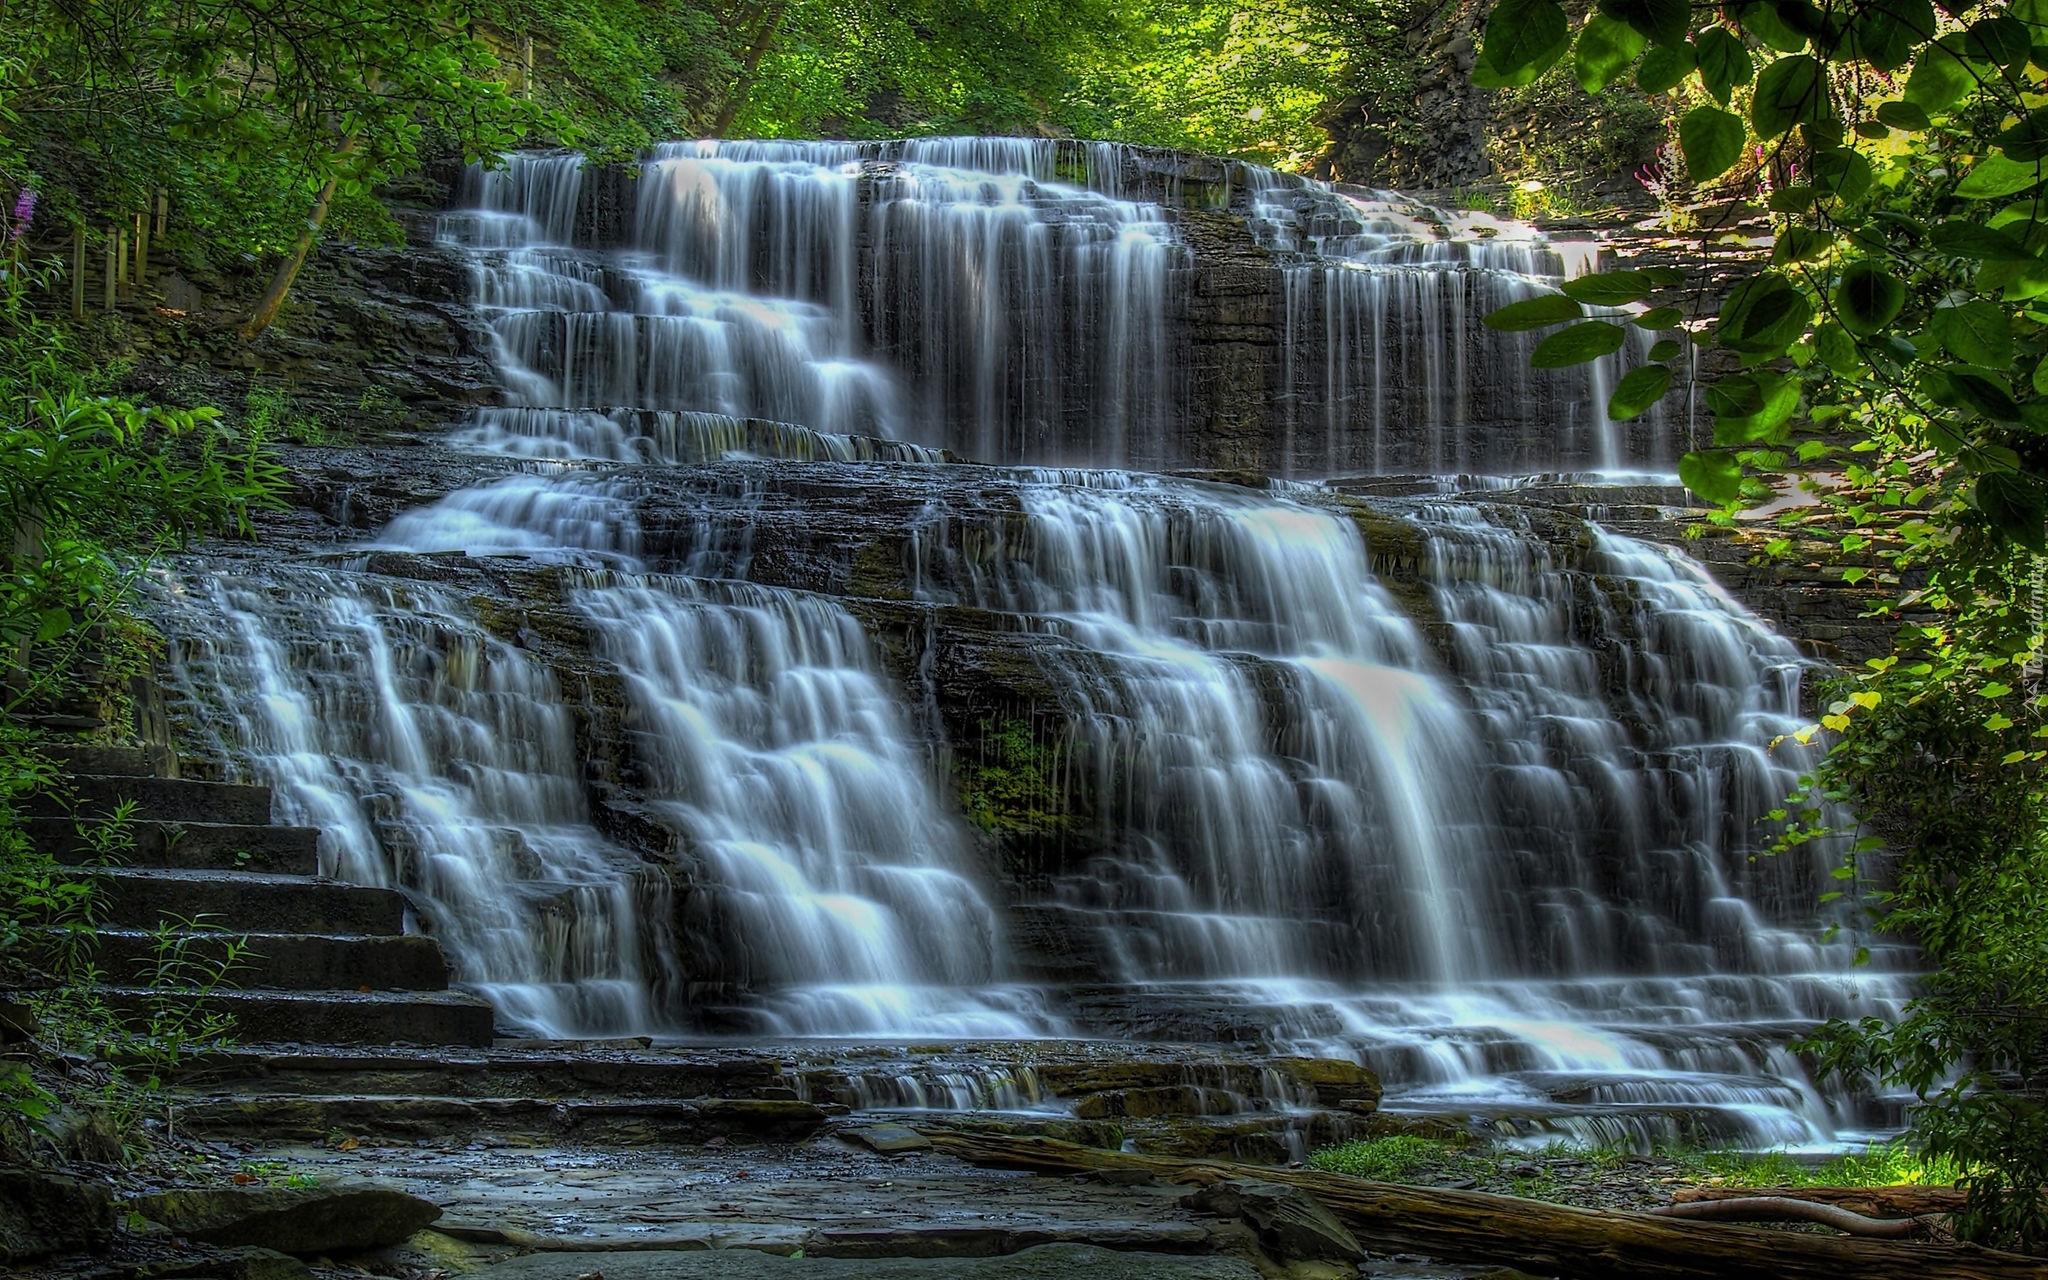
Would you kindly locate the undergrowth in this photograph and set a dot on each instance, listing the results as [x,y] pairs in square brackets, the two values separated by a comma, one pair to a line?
[1409,1158]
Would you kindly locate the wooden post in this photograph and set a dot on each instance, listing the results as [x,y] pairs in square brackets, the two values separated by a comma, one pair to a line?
[163,212]
[113,267]
[78,271]
[526,66]
[141,251]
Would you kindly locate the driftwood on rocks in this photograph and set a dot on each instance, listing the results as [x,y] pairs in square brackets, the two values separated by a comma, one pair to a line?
[1904,1201]
[1789,1209]
[1546,1239]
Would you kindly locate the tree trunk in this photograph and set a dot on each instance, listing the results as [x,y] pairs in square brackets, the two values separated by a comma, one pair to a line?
[1531,1235]
[288,270]
[764,36]
[1906,1201]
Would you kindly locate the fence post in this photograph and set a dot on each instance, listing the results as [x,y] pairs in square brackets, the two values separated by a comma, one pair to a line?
[113,266]
[141,251]
[163,212]
[78,270]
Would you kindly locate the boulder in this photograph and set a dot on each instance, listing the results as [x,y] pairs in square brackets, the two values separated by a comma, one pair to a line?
[42,1214]
[1293,1226]
[303,1220]
[889,1139]
[1334,1080]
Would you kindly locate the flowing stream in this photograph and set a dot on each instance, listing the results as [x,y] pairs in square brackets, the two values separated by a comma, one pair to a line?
[1490,823]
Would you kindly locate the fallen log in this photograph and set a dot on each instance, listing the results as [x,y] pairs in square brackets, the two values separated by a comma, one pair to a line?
[1531,1235]
[1787,1209]
[1905,1201]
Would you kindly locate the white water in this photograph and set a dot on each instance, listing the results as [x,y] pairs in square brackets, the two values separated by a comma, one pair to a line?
[1489,829]
[1012,300]
[1527,873]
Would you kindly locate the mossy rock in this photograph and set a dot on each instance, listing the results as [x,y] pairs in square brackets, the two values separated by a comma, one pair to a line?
[302,1220]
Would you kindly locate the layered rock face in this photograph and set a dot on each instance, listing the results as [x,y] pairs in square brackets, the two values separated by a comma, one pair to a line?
[683,722]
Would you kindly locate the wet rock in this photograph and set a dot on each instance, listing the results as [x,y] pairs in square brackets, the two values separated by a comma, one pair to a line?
[1063,1261]
[889,1139]
[42,1214]
[247,1263]
[1293,1226]
[290,1219]
[1334,1080]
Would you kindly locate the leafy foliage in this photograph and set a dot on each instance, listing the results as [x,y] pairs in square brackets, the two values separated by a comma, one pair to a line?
[1891,370]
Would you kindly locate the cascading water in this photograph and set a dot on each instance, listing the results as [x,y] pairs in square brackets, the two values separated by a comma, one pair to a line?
[437,759]
[1523,868]
[1015,300]
[1487,824]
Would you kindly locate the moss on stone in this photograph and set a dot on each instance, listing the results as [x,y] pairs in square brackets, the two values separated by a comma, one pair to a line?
[1011,786]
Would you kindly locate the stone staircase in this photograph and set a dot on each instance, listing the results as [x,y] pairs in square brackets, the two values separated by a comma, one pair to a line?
[322,962]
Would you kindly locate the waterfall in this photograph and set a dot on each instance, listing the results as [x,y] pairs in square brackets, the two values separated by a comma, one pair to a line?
[1384,364]
[1529,855]
[837,884]
[436,759]
[1026,300]
[646,717]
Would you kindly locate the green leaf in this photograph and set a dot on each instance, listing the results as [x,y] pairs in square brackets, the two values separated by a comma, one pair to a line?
[1670,347]
[1609,288]
[1790,200]
[1714,474]
[1534,313]
[1872,130]
[1663,67]
[1751,407]
[1523,39]
[1903,115]
[1868,297]
[2001,41]
[1605,51]
[1997,176]
[2015,507]
[1841,174]
[1961,238]
[1658,318]
[1577,345]
[2041,378]
[1940,78]
[2027,140]
[1833,346]
[1637,391]
[1974,389]
[1801,244]
[1711,140]
[1725,63]
[1884,32]
[1761,20]
[1976,332]
[1763,315]
[1664,21]
[1663,277]
[1790,91]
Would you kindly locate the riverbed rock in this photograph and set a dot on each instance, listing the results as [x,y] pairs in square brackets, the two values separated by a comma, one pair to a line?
[890,1139]
[1046,1261]
[1292,1225]
[42,1214]
[303,1220]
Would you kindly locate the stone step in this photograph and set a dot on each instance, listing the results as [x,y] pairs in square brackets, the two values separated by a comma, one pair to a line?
[126,762]
[336,1017]
[189,846]
[162,799]
[238,901]
[289,961]
[635,1121]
